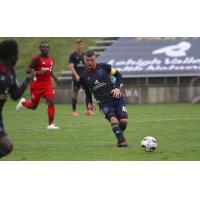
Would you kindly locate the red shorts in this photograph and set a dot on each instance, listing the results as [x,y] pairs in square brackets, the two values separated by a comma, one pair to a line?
[45,91]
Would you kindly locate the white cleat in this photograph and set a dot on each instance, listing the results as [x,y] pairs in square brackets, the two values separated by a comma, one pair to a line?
[19,105]
[52,126]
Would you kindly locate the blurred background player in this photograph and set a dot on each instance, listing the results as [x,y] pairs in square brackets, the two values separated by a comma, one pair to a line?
[8,85]
[108,95]
[41,86]
[77,66]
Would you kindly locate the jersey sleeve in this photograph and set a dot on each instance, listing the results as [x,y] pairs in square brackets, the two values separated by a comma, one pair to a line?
[71,59]
[107,68]
[14,86]
[34,62]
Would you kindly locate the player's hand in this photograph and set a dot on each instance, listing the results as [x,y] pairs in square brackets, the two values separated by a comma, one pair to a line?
[77,77]
[116,93]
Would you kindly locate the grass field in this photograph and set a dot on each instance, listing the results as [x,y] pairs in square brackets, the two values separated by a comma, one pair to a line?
[60,49]
[176,127]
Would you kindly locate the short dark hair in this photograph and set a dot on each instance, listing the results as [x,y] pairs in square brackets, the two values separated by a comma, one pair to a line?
[90,53]
[8,48]
[42,43]
[78,41]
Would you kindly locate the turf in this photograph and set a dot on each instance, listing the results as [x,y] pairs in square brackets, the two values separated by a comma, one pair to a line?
[175,126]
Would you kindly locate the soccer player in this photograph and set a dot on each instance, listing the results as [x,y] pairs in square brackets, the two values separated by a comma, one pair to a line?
[8,85]
[77,66]
[41,86]
[109,98]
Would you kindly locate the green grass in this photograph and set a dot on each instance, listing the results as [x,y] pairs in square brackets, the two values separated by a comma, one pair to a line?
[176,127]
[60,49]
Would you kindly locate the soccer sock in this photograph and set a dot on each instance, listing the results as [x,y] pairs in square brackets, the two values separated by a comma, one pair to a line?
[74,104]
[51,113]
[27,104]
[87,102]
[117,131]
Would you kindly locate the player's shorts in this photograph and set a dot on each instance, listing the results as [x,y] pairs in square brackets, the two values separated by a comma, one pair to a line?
[76,85]
[38,92]
[114,108]
[2,131]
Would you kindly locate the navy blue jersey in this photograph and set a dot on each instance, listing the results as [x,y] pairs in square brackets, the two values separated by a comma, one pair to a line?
[78,61]
[8,85]
[99,82]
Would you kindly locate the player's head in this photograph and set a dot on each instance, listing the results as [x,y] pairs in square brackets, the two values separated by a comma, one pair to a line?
[44,48]
[9,52]
[90,60]
[79,45]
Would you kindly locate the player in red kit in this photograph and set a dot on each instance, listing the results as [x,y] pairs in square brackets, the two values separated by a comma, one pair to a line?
[41,86]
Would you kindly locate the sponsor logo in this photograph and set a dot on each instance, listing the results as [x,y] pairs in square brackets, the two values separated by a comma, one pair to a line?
[96,82]
[45,68]
[177,50]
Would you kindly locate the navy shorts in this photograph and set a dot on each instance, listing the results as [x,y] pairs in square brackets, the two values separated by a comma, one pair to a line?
[114,108]
[2,131]
[76,85]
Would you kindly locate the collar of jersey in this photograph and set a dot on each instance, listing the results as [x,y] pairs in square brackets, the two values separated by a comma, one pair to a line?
[4,70]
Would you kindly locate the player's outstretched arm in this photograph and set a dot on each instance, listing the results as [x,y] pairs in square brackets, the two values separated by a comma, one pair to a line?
[16,92]
[88,92]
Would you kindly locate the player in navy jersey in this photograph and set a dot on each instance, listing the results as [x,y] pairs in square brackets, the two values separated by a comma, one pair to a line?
[108,95]
[77,66]
[8,85]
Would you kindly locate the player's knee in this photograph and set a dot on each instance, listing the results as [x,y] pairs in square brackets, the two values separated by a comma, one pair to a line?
[34,106]
[123,124]
[50,102]
[113,120]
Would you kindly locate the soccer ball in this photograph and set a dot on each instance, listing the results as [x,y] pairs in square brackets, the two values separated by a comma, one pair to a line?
[149,144]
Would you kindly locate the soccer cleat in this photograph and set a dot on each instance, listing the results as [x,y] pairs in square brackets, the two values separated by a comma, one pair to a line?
[52,126]
[19,105]
[89,112]
[122,143]
[75,114]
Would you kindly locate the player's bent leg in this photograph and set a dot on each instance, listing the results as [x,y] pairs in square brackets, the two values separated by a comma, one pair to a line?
[6,146]
[30,105]
[121,141]
[51,114]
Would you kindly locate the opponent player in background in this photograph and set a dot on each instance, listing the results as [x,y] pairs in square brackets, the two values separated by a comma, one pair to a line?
[77,66]
[8,85]
[41,86]
[108,95]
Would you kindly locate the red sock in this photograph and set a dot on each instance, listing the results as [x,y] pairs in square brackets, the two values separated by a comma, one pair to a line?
[51,113]
[27,104]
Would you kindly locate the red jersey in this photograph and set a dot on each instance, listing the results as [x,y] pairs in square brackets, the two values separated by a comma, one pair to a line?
[42,65]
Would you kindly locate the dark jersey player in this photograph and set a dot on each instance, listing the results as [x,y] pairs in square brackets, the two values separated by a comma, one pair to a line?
[77,66]
[41,86]
[109,98]
[8,86]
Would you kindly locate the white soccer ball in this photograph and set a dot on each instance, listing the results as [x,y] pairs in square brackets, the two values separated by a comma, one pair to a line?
[149,144]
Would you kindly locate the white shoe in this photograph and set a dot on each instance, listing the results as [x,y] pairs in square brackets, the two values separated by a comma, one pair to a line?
[52,126]
[19,105]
